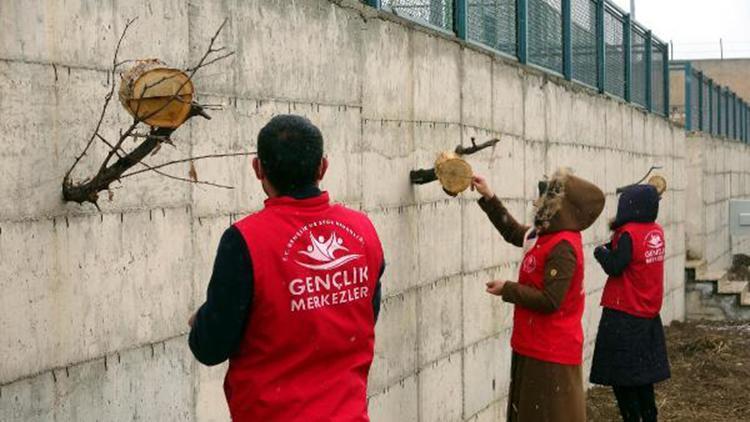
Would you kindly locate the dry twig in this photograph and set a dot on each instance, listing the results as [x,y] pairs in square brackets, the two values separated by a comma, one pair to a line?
[88,190]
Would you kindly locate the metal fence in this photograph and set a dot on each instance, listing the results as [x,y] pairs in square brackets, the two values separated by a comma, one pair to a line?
[710,107]
[589,41]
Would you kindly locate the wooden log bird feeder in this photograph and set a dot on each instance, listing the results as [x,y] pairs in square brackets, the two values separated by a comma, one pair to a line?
[160,99]
[158,95]
[452,171]
[657,181]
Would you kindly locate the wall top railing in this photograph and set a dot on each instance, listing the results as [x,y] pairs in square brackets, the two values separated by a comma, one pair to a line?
[592,42]
[709,107]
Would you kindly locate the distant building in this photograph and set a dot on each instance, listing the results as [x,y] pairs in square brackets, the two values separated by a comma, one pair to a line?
[732,73]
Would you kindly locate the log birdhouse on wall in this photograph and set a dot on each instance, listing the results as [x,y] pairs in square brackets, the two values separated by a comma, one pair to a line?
[160,99]
[450,169]
[453,172]
[158,95]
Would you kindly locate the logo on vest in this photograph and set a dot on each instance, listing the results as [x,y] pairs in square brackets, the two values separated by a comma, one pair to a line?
[654,243]
[323,247]
[322,252]
[529,264]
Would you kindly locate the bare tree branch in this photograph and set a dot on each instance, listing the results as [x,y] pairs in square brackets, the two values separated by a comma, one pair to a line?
[107,98]
[88,190]
[201,63]
[161,173]
[175,96]
[189,159]
[214,60]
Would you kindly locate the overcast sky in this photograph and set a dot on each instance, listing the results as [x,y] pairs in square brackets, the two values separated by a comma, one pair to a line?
[695,26]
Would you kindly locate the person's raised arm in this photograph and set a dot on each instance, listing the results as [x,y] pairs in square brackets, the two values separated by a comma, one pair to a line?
[512,231]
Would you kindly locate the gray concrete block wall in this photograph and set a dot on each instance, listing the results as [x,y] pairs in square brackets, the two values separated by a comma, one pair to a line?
[84,288]
[718,171]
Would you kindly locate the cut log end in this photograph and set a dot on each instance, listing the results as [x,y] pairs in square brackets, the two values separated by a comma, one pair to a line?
[453,172]
[659,183]
[159,95]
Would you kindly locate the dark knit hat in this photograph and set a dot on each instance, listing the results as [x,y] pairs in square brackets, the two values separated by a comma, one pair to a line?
[637,204]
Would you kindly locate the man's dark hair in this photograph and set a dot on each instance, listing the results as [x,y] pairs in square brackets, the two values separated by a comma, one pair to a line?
[290,149]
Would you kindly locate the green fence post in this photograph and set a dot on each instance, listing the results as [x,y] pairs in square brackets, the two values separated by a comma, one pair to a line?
[600,45]
[649,75]
[665,76]
[567,40]
[726,112]
[740,128]
[744,122]
[700,101]
[737,127]
[688,97]
[719,101]
[373,3]
[735,115]
[522,30]
[628,51]
[711,110]
[722,112]
[460,21]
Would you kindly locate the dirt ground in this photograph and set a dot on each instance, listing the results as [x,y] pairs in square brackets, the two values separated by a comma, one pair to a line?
[710,381]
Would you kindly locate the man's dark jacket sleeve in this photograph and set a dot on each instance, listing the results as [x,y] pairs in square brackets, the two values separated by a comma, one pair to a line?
[615,261]
[220,322]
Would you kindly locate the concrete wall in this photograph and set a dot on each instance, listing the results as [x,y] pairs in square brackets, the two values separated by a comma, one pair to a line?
[718,170]
[94,305]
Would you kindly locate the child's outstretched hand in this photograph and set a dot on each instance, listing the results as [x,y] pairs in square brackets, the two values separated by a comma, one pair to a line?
[495,287]
[480,184]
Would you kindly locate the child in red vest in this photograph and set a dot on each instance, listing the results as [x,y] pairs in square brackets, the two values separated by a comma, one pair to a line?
[547,340]
[630,353]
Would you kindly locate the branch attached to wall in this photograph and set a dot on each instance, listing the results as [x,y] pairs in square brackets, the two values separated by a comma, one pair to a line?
[151,108]
[452,171]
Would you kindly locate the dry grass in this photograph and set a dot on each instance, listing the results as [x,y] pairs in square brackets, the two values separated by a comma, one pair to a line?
[710,376]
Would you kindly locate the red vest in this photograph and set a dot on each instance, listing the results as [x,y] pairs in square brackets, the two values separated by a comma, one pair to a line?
[556,337]
[309,340]
[640,289]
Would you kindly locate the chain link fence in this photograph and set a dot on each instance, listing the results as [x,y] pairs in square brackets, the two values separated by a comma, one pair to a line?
[493,23]
[545,34]
[658,67]
[614,49]
[638,69]
[705,101]
[438,13]
[589,41]
[583,38]
[708,106]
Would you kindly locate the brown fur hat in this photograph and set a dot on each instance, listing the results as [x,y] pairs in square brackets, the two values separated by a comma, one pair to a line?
[569,203]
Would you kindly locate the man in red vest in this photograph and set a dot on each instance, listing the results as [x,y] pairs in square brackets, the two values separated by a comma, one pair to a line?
[294,294]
